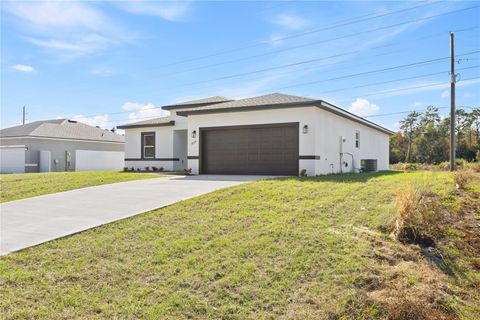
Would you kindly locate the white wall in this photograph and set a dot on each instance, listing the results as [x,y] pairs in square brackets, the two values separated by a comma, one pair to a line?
[12,159]
[330,127]
[304,116]
[88,160]
[163,148]
[322,139]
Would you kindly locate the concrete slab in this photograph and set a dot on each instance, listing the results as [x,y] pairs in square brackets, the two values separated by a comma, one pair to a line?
[28,222]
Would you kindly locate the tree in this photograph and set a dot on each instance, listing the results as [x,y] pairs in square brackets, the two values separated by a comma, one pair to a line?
[430,116]
[409,125]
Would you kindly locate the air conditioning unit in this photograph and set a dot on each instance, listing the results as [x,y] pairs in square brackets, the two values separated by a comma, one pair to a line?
[368,165]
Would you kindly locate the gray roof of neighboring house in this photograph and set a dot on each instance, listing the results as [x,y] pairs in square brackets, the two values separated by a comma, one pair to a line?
[197,103]
[163,121]
[61,129]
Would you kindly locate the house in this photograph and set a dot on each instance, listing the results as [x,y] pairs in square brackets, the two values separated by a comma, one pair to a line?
[274,134]
[59,145]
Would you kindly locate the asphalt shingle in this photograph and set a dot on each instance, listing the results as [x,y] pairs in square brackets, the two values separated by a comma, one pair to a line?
[62,129]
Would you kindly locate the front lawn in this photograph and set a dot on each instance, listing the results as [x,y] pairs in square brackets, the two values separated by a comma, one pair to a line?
[294,248]
[27,185]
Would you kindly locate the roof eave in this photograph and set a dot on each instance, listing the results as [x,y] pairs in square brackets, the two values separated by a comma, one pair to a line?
[249,108]
[346,114]
[193,105]
[131,126]
[315,103]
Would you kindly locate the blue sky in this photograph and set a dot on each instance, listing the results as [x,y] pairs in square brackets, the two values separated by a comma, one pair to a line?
[108,63]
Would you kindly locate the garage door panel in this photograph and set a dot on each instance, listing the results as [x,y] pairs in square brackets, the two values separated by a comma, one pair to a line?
[250,150]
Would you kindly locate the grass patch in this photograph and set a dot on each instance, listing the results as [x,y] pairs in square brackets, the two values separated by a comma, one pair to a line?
[294,248]
[27,185]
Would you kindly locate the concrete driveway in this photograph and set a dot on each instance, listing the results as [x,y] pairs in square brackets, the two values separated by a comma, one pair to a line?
[28,222]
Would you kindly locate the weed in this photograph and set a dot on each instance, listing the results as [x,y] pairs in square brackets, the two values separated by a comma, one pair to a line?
[462,178]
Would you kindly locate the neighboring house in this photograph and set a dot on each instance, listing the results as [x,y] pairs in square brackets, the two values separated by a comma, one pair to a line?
[275,134]
[59,145]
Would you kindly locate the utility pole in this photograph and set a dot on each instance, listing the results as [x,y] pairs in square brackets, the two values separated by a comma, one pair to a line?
[452,103]
[23,115]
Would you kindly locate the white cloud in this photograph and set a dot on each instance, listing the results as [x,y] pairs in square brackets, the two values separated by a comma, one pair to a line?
[290,21]
[66,29]
[445,94]
[418,104]
[23,68]
[143,111]
[171,11]
[275,40]
[363,107]
[101,121]
[57,14]
[81,46]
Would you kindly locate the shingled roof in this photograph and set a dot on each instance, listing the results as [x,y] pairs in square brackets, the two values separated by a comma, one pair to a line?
[61,129]
[197,103]
[266,100]
[162,121]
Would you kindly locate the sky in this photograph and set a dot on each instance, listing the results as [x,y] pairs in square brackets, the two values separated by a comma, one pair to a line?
[114,62]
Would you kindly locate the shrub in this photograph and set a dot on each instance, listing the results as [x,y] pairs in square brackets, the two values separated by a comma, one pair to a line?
[188,171]
[161,169]
[462,178]
[132,169]
[147,168]
[418,215]
[474,166]
[155,169]
[138,169]
[303,173]
[125,169]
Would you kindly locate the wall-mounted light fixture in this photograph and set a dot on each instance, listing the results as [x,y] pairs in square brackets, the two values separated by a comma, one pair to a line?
[305,129]
[194,134]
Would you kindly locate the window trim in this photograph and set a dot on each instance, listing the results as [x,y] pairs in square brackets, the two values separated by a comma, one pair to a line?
[357,139]
[142,150]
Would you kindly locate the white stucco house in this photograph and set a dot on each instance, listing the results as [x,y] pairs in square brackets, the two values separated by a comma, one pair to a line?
[275,134]
[59,145]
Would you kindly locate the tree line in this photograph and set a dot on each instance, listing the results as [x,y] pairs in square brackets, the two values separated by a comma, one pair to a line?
[425,137]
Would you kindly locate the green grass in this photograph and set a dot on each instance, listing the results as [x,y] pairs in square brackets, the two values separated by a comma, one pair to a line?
[296,248]
[27,185]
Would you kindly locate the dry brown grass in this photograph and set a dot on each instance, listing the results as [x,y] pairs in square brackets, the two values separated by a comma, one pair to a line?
[462,178]
[418,214]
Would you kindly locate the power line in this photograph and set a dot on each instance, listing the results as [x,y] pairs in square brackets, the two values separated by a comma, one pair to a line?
[409,65]
[296,64]
[362,95]
[415,87]
[338,24]
[400,112]
[372,71]
[318,42]
[403,112]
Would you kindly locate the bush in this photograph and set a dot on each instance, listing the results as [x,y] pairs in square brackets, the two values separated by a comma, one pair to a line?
[462,178]
[161,169]
[138,169]
[418,216]
[188,171]
[303,173]
[132,169]
[125,169]
[147,168]
[155,169]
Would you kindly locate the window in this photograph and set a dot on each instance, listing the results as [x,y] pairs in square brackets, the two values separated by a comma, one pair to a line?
[148,145]
[357,139]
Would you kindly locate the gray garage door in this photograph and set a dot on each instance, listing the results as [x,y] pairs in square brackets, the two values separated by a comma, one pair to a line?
[263,150]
